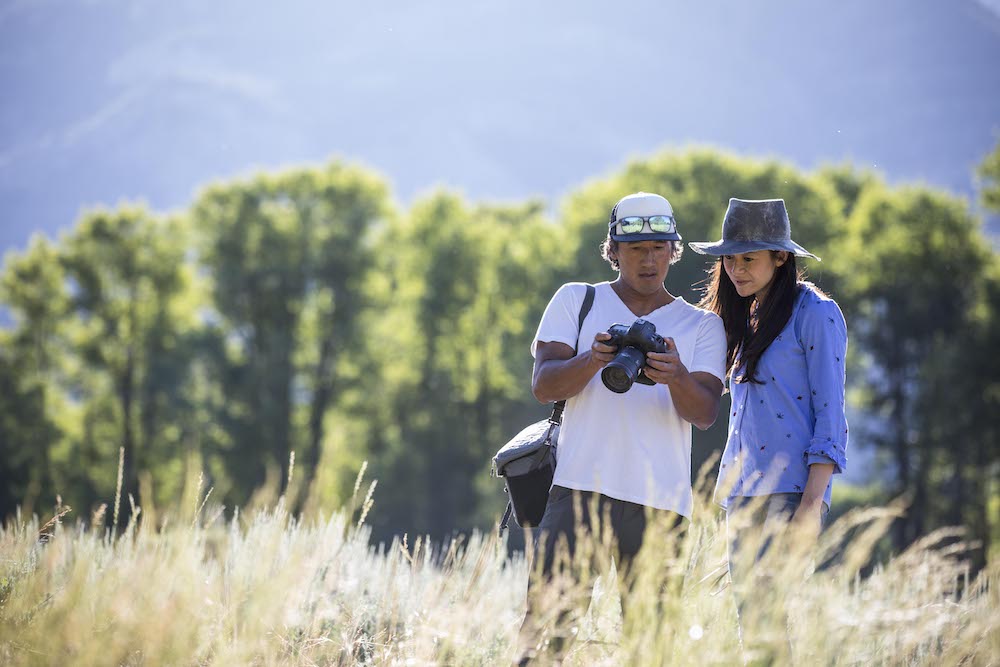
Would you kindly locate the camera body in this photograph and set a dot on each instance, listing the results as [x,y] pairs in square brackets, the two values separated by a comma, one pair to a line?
[633,342]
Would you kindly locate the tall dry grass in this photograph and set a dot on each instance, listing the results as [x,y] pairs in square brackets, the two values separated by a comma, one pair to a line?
[266,588]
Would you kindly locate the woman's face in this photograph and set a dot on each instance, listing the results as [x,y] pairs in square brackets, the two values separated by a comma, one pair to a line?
[753,272]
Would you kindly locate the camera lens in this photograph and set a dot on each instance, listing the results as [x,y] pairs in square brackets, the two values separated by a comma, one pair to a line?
[616,379]
[619,375]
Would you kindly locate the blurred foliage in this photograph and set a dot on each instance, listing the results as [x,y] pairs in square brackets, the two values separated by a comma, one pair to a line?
[302,311]
[989,174]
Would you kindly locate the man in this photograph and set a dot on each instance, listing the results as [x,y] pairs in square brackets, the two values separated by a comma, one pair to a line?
[624,459]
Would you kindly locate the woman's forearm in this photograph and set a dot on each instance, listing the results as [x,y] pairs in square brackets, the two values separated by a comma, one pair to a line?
[818,480]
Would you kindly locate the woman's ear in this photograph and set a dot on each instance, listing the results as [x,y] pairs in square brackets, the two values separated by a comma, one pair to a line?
[781,257]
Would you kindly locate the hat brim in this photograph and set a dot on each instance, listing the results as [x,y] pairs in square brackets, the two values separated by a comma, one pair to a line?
[650,236]
[719,248]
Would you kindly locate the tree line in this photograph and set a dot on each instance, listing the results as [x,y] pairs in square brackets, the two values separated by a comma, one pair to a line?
[306,311]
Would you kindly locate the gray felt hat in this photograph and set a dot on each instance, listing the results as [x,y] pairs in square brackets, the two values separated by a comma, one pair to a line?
[750,225]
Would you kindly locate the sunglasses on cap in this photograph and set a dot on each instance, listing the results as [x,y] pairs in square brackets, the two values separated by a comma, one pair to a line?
[633,224]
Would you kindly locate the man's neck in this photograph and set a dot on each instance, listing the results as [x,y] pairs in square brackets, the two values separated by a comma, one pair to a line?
[639,303]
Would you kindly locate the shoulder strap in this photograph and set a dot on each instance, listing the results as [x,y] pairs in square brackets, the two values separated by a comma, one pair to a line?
[558,407]
[588,301]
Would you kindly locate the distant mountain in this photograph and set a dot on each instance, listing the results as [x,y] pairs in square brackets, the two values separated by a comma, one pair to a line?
[104,101]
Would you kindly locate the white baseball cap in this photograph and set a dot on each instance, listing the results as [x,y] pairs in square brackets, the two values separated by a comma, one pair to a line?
[643,216]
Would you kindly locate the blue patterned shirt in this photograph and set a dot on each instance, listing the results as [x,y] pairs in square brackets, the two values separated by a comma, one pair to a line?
[796,417]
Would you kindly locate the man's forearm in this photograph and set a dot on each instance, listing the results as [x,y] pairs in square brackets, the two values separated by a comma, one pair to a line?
[694,402]
[560,379]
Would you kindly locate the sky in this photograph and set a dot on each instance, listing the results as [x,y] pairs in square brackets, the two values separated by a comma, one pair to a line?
[105,101]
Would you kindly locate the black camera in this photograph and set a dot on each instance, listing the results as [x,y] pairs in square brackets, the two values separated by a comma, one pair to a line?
[633,343]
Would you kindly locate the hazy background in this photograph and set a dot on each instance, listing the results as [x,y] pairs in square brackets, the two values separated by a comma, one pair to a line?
[104,101]
[420,178]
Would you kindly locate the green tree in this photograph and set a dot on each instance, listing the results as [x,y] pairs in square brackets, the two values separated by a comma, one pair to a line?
[911,265]
[296,311]
[989,174]
[848,183]
[125,273]
[31,285]
[956,410]
[456,295]
[288,255]
[26,436]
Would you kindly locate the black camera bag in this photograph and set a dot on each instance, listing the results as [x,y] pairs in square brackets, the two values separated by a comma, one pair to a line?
[528,461]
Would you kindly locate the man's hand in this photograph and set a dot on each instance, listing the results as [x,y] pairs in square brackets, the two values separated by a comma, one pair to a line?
[665,367]
[560,374]
[600,352]
[695,395]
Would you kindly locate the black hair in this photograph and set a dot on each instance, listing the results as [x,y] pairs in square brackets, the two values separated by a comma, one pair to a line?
[746,338]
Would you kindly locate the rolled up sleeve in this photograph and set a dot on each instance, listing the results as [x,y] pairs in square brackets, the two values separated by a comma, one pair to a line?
[824,337]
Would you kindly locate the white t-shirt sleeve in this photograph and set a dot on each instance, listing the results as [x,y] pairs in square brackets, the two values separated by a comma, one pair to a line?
[560,319]
[710,347]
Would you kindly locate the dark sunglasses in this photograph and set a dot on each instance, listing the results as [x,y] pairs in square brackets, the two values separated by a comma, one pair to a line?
[663,224]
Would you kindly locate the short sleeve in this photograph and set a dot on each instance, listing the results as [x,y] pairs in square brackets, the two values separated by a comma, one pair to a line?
[559,321]
[710,347]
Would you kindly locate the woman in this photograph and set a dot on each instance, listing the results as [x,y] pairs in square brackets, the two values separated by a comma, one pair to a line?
[786,347]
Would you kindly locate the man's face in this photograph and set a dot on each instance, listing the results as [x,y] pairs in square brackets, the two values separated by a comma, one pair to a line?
[643,265]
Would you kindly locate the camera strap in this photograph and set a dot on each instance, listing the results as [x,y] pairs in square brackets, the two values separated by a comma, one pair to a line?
[557,408]
[588,302]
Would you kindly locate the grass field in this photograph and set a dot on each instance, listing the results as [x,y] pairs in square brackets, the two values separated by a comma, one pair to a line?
[263,588]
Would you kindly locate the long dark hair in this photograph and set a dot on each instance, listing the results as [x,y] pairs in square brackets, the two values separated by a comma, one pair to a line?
[742,340]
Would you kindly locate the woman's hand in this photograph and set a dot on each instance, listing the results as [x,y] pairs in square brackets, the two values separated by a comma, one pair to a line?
[808,519]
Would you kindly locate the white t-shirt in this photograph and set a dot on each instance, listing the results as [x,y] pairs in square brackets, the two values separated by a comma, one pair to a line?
[632,446]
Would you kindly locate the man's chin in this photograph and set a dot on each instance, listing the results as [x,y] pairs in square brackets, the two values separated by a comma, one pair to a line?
[646,285]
